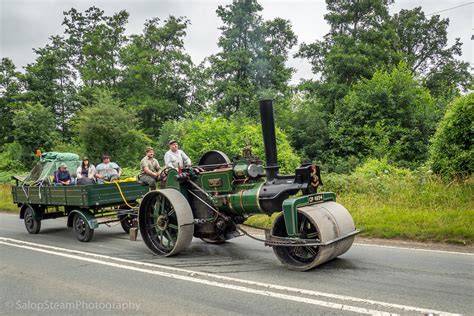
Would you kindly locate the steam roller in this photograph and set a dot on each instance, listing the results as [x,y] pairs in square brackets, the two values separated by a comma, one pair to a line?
[212,200]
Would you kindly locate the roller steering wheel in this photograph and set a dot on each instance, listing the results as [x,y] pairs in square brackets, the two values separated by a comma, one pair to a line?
[164,173]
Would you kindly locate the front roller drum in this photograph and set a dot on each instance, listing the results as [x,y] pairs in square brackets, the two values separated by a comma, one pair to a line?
[166,221]
[322,223]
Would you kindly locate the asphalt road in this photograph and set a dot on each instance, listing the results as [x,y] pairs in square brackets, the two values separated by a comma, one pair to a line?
[53,273]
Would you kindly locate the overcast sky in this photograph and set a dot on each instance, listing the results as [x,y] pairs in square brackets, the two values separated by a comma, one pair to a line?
[27,24]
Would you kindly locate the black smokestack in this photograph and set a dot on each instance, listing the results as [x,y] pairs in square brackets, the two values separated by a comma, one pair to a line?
[269,139]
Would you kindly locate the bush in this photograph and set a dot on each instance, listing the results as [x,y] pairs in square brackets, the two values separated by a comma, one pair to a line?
[204,133]
[106,127]
[451,152]
[35,128]
[390,115]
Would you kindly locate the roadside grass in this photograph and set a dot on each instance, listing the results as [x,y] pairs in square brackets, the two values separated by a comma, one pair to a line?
[397,204]
[6,203]
[407,206]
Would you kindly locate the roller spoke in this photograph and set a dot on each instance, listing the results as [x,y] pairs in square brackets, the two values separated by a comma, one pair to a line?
[302,257]
[162,206]
[173,226]
[311,250]
[161,236]
[302,225]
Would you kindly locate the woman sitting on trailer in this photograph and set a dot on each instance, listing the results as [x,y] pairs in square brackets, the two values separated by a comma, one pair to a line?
[85,172]
[62,176]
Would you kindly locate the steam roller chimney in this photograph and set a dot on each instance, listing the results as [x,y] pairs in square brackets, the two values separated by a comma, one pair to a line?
[269,139]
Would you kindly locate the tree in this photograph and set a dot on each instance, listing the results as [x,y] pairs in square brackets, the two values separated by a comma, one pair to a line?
[307,123]
[203,133]
[34,128]
[94,41]
[10,90]
[452,151]
[107,127]
[424,43]
[390,115]
[360,41]
[49,81]
[252,58]
[101,50]
[157,74]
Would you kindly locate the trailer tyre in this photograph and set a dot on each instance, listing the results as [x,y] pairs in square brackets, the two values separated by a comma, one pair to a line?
[83,232]
[33,226]
[126,222]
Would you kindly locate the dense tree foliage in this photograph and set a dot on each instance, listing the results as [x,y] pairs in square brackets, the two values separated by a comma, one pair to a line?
[107,127]
[10,88]
[390,115]
[251,62]
[49,81]
[452,152]
[157,75]
[205,133]
[34,129]
[423,43]
[364,40]
[381,84]
[360,41]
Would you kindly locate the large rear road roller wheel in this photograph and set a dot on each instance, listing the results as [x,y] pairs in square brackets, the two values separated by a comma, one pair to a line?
[166,222]
[322,223]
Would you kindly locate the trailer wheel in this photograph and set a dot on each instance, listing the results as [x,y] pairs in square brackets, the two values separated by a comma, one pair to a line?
[166,221]
[33,226]
[83,232]
[126,221]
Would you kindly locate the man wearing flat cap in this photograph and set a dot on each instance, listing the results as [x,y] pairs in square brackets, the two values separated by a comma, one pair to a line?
[107,170]
[176,158]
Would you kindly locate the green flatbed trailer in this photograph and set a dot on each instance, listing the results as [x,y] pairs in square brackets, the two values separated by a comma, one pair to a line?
[82,204]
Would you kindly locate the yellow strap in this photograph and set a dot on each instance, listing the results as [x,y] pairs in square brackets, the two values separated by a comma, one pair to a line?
[121,194]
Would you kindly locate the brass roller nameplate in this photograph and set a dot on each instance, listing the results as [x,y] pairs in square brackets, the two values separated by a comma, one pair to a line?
[215,182]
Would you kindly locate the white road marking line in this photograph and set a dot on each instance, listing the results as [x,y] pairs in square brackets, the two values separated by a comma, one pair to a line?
[242,281]
[338,306]
[356,243]
[417,249]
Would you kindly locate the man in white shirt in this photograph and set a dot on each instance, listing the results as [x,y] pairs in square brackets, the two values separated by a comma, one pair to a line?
[176,158]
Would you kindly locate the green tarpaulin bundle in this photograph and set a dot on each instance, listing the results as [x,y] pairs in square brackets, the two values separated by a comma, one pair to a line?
[49,162]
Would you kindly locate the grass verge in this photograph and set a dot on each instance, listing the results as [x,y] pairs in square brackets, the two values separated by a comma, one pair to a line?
[407,206]
[6,203]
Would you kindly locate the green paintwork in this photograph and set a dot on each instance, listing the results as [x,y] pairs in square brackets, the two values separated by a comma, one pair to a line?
[290,209]
[90,218]
[83,196]
[222,181]
[171,181]
[243,202]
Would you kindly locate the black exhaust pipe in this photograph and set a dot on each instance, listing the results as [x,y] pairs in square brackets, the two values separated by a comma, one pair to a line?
[269,139]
